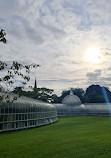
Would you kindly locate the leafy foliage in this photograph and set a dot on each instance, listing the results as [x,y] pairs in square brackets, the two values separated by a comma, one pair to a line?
[16,70]
[2,36]
[13,71]
[95,94]
[43,93]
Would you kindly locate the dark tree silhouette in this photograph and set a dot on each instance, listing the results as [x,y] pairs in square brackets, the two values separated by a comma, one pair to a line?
[95,94]
[2,36]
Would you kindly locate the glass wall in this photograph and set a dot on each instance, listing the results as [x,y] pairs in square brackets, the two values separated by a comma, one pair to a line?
[101,109]
[26,113]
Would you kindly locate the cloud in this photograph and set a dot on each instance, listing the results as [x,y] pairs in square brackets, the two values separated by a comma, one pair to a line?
[109,68]
[60,80]
[107,53]
[55,34]
[94,75]
[10,8]
[106,79]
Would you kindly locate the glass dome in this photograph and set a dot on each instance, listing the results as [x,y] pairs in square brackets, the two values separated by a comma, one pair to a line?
[71,100]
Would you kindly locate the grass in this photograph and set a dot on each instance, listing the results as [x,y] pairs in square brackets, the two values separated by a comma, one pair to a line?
[71,137]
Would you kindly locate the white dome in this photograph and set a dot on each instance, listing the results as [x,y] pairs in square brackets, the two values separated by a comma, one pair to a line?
[71,100]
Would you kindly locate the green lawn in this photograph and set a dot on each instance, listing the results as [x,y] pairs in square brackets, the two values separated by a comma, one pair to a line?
[71,137]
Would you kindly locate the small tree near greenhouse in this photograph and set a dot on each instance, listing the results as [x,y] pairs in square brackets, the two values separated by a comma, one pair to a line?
[10,73]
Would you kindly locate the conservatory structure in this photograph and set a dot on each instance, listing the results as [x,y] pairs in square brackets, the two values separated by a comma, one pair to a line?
[25,113]
[72,106]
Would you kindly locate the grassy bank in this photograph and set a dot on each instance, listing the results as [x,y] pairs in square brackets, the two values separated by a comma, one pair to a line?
[71,137]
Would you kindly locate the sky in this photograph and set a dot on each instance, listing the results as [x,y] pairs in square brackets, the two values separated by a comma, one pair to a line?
[70,39]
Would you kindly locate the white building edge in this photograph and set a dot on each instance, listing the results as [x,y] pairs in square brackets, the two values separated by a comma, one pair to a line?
[72,106]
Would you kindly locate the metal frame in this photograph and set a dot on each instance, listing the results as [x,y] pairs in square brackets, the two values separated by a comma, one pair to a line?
[26,115]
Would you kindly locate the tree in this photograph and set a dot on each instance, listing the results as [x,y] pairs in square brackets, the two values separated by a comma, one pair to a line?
[18,90]
[13,71]
[98,94]
[2,36]
[79,92]
[54,98]
[45,94]
[63,94]
[76,91]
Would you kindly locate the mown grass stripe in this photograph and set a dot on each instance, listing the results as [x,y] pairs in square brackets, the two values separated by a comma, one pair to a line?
[71,137]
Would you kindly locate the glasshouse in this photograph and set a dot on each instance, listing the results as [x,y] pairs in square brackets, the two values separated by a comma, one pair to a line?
[25,113]
[72,106]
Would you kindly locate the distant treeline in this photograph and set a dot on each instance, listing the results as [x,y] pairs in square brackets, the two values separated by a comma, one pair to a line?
[93,94]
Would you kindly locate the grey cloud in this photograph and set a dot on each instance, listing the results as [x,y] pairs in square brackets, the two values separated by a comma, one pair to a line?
[88,83]
[79,8]
[107,85]
[60,80]
[106,79]
[99,12]
[107,53]
[21,28]
[74,62]
[85,20]
[98,72]
[36,32]
[91,75]
[94,75]
[58,55]
[51,30]
[54,34]
[9,8]
[108,69]
[91,13]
